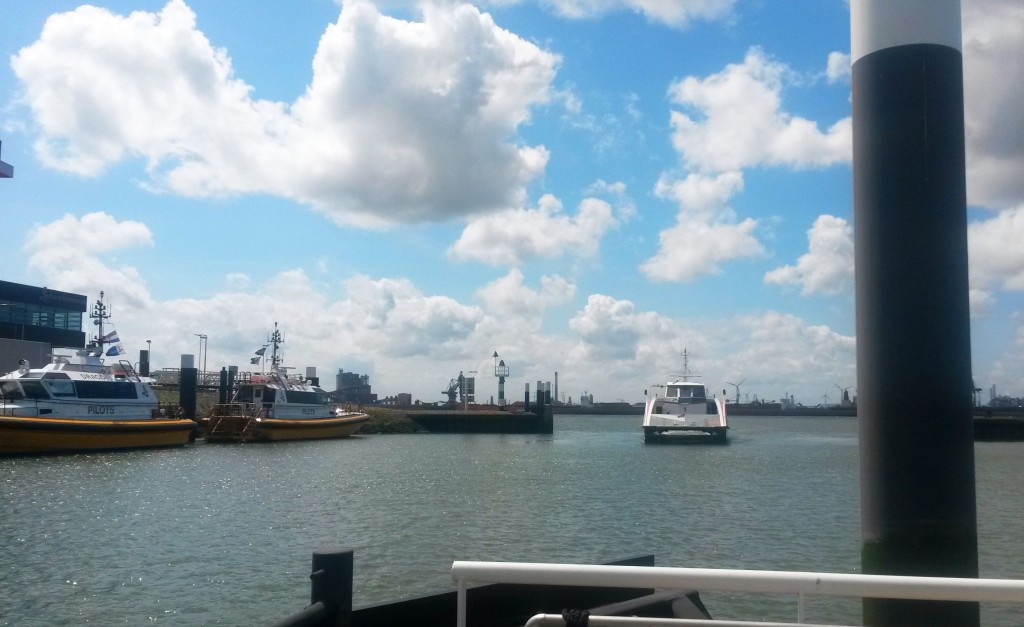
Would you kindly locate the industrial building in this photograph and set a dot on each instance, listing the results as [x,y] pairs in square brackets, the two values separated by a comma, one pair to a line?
[36,320]
[353,388]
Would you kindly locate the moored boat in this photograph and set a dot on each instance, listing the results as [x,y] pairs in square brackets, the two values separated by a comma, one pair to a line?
[80,403]
[684,413]
[277,406]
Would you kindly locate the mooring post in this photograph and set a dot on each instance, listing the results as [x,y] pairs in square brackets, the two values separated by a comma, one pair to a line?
[232,377]
[222,387]
[332,584]
[918,511]
[187,387]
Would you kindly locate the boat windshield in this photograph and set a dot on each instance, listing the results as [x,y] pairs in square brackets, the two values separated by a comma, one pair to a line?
[687,391]
[17,390]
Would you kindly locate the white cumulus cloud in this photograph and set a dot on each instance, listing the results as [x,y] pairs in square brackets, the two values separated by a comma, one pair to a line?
[509,297]
[515,236]
[827,267]
[403,121]
[993,47]
[690,250]
[733,120]
[68,251]
[996,249]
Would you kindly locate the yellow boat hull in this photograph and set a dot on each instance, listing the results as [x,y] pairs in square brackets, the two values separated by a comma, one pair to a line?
[29,435]
[278,430]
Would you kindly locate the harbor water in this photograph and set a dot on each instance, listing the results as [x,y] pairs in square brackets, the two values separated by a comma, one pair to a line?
[223,534]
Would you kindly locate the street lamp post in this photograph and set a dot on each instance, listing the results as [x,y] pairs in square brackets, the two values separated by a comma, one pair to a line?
[202,350]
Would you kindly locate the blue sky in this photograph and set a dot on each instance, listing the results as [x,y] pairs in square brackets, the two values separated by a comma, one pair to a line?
[583,186]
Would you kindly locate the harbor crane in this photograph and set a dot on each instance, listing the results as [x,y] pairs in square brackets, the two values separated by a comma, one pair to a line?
[737,386]
[456,387]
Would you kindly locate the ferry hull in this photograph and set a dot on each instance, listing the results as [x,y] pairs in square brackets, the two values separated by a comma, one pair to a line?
[685,435]
[32,435]
[688,422]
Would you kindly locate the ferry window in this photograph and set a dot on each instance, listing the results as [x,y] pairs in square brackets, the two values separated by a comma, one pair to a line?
[11,391]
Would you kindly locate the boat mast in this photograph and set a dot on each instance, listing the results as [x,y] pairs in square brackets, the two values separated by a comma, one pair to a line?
[99,314]
[275,340]
[686,364]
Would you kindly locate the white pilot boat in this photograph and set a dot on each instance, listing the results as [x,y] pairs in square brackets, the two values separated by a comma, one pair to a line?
[278,406]
[684,413]
[80,403]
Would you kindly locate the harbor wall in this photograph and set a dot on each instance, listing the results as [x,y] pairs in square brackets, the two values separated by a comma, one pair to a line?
[454,421]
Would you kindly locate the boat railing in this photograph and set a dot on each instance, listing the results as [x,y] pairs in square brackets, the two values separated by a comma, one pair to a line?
[801,584]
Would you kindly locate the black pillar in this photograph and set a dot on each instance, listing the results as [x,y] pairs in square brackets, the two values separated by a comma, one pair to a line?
[143,363]
[918,509]
[187,392]
[222,387]
[332,583]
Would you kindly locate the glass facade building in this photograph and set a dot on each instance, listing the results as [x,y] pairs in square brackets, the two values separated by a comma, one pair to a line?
[39,314]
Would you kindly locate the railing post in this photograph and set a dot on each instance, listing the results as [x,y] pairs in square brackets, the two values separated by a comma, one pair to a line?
[460,604]
[332,584]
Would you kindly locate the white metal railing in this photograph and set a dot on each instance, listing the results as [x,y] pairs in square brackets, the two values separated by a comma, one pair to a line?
[754,581]
[556,620]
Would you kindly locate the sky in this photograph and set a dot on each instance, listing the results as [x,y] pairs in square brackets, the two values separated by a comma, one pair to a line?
[587,187]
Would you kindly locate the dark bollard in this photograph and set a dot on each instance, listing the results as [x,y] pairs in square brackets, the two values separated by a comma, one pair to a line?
[187,394]
[332,584]
[222,388]
[918,511]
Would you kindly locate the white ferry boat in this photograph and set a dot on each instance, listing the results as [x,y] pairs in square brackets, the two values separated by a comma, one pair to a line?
[684,413]
[80,403]
[278,406]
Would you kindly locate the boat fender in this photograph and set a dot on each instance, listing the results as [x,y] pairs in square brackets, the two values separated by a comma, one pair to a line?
[576,618]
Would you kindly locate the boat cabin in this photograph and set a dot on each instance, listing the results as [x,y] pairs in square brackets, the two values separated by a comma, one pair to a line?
[694,391]
[262,394]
